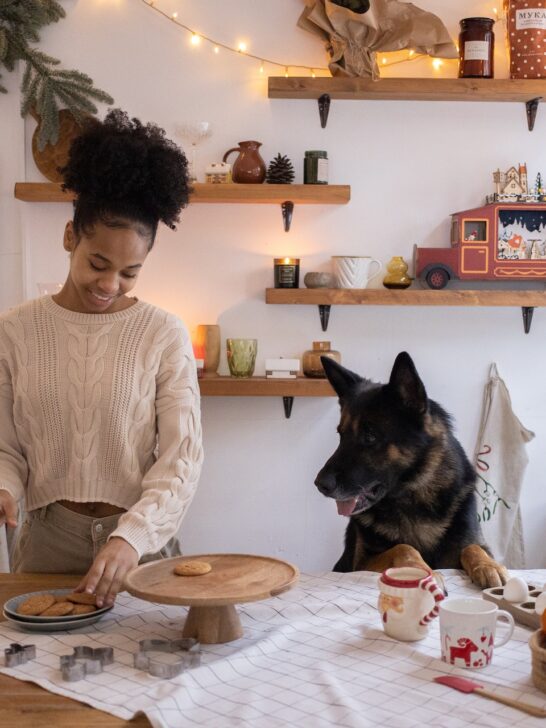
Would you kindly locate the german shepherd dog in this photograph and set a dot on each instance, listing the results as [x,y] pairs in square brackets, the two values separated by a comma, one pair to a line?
[403,479]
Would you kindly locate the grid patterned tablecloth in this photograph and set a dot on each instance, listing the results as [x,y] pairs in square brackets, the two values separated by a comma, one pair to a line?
[314,656]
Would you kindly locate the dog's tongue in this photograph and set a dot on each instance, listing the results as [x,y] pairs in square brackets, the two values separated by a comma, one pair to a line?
[346,507]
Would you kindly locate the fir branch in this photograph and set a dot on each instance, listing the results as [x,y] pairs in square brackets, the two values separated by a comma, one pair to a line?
[45,88]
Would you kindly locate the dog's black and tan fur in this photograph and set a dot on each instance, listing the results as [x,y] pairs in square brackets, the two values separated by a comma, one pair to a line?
[403,478]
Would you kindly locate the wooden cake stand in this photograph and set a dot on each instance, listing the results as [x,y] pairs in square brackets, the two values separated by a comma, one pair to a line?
[233,579]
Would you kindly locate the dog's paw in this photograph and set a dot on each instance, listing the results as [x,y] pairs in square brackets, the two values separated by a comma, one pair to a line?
[488,574]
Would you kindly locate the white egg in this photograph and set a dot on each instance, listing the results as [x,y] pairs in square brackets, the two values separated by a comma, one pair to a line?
[540,604]
[516,590]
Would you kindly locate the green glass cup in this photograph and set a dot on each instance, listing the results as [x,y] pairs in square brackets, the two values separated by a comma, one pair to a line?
[241,356]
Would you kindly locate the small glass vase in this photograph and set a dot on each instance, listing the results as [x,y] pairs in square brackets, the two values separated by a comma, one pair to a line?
[397,273]
[241,356]
[311,363]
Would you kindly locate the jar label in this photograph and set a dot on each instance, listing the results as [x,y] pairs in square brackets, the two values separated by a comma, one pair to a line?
[531,18]
[476,50]
[322,170]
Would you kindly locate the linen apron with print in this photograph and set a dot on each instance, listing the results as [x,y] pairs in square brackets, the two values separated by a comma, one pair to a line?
[501,459]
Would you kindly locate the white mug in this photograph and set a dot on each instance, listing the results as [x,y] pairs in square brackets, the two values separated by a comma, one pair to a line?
[408,601]
[467,631]
[353,271]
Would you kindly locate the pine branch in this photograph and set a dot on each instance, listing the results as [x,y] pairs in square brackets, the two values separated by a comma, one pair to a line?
[44,88]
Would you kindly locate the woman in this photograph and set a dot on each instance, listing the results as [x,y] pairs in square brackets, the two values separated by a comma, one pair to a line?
[99,403]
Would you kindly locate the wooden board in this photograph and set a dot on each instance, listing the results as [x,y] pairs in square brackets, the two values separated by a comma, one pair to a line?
[234,579]
[523,612]
[226,386]
[211,193]
[406,89]
[408,297]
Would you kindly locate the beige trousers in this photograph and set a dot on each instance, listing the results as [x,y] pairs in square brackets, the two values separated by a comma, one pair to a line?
[54,539]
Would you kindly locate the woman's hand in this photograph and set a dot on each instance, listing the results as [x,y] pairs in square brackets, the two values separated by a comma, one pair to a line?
[8,509]
[106,576]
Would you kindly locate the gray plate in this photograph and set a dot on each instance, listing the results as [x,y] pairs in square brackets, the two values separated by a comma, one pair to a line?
[53,626]
[10,609]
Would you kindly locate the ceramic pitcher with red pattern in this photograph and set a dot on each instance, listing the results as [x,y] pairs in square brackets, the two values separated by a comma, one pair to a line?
[408,601]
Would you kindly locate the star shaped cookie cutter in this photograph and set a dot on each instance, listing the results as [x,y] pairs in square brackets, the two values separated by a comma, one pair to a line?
[190,656]
[17,654]
[85,661]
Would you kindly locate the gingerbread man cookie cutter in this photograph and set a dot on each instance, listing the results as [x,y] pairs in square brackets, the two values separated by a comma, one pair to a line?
[190,656]
[85,661]
[17,654]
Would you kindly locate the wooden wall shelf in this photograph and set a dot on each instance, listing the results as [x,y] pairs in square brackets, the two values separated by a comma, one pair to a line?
[529,91]
[222,193]
[326,297]
[225,386]
[285,195]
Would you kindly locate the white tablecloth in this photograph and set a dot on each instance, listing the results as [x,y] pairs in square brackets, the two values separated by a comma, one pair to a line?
[314,656]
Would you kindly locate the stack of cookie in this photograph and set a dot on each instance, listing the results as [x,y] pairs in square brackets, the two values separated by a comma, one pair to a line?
[54,610]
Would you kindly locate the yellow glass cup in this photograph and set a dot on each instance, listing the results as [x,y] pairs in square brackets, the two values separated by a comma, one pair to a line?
[241,356]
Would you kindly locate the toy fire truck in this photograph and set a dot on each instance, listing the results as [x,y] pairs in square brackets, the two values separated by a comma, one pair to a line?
[499,241]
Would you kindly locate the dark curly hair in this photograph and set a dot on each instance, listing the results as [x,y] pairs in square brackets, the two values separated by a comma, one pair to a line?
[125,172]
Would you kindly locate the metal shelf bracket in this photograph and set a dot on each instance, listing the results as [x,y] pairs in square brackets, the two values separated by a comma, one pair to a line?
[531,107]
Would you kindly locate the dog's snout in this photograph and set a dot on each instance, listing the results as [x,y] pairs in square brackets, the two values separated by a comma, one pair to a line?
[326,482]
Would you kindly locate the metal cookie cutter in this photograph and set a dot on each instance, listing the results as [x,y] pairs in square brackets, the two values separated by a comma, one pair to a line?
[190,657]
[17,654]
[85,661]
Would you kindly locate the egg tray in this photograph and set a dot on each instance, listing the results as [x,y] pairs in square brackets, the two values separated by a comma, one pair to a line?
[523,612]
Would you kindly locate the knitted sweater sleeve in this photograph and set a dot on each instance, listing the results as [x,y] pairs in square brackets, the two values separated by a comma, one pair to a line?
[13,465]
[169,485]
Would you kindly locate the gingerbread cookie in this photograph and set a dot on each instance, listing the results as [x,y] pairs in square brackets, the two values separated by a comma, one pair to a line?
[83,609]
[59,609]
[192,568]
[35,605]
[81,598]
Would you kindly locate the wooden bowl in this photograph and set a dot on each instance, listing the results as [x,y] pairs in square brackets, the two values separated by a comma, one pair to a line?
[233,579]
[537,643]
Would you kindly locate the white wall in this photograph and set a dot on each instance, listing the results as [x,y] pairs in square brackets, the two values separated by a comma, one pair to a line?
[409,166]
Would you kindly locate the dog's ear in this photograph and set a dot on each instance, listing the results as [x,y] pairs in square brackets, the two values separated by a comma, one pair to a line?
[406,383]
[342,380]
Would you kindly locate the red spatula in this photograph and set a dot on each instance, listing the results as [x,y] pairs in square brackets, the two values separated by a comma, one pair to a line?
[469,686]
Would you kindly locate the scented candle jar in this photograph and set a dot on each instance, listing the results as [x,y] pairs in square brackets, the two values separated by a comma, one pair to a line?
[286,272]
[476,47]
[315,167]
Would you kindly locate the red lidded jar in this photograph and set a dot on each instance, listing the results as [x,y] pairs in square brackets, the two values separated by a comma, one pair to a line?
[476,46]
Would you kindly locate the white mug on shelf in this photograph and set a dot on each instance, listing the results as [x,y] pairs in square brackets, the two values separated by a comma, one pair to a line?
[353,271]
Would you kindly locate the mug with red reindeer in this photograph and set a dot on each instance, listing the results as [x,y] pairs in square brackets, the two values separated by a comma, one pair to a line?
[467,631]
[408,601]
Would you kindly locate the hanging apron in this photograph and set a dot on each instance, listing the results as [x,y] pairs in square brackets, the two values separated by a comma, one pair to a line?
[501,459]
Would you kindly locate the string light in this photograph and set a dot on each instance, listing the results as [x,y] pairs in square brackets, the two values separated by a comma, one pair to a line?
[241,49]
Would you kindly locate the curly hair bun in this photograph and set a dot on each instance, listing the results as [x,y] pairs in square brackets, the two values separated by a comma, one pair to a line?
[120,163]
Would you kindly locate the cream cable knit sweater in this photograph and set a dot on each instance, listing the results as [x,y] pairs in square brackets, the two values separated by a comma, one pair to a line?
[81,396]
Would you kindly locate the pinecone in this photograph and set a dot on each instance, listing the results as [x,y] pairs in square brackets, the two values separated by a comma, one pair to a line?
[280,171]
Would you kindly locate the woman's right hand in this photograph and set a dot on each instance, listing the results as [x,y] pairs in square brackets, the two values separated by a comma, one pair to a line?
[8,509]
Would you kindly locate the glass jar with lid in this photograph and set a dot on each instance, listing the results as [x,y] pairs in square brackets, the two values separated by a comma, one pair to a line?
[476,48]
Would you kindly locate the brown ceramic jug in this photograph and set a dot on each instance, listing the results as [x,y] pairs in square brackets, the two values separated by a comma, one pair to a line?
[249,167]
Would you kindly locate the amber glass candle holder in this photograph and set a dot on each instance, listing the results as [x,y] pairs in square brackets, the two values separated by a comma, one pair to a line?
[287,272]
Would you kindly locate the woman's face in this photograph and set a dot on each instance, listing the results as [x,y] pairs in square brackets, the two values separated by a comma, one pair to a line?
[104,265]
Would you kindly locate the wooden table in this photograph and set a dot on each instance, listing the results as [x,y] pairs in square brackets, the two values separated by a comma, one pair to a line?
[24,704]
